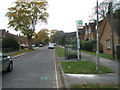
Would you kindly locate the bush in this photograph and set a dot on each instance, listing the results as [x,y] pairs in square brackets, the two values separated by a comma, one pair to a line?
[10,42]
[90,46]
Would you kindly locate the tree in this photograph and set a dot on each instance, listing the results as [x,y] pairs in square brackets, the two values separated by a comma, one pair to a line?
[53,36]
[52,32]
[117,9]
[117,14]
[42,36]
[25,15]
[58,37]
[103,9]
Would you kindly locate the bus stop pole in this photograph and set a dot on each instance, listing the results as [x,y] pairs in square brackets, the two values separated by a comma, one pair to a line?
[78,44]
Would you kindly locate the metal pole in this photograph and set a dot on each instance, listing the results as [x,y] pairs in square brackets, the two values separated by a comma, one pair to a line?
[112,32]
[19,43]
[78,43]
[97,51]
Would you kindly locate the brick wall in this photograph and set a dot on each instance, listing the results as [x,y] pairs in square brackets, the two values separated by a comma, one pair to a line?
[106,35]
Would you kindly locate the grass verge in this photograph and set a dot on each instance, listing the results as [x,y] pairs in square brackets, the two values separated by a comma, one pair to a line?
[83,67]
[20,52]
[60,51]
[103,86]
[103,55]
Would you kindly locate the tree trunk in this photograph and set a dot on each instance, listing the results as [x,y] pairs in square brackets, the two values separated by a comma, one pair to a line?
[30,42]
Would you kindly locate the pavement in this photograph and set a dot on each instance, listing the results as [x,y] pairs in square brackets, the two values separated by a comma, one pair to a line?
[13,52]
[107,78]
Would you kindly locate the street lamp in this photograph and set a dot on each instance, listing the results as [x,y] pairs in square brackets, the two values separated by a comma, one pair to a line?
[97,34]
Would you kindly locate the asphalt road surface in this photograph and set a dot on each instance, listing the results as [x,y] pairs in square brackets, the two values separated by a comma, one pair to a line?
[35,69]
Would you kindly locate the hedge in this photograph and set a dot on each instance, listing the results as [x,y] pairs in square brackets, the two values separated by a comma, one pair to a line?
[90,46]
[10,42]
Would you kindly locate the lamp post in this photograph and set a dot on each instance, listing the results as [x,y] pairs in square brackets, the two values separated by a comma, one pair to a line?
[97,34]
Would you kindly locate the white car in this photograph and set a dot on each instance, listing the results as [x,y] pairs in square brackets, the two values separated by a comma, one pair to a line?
[40,45]
[51,46]
[33,45]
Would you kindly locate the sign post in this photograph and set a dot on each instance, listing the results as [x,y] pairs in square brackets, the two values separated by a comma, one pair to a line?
[79,24]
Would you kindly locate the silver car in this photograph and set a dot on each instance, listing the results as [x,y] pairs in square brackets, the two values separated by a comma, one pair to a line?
[6,62]
[51,46]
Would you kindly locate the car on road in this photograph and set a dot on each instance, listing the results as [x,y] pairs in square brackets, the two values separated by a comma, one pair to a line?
[51,46]
[6,62]
[40,45]
[33,45]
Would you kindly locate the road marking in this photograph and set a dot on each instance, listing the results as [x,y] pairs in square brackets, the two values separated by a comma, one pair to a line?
[46,78]
[55,72]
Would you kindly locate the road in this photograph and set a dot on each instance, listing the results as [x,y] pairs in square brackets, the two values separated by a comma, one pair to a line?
[35,69]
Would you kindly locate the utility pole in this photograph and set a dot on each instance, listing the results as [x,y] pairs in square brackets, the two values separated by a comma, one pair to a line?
[19,43]
[112,29]
[97,34]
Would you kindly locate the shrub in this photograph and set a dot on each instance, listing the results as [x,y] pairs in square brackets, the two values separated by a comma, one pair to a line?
[10,42]
[90,46]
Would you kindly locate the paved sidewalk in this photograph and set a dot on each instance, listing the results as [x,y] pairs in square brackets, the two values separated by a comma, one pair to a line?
[109,78]
[10,53]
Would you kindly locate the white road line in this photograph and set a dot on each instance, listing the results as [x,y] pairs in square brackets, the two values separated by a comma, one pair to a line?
[56,73]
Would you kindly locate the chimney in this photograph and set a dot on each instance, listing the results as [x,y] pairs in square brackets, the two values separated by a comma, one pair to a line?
[7,31]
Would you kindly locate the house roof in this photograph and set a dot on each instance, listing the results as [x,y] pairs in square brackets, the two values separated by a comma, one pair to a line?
[116,26]
[92,26]
[5,33]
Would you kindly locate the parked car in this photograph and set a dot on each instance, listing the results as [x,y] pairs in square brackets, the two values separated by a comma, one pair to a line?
[55,44]
[40,45]
[51,46]
[33,45]
[7,62]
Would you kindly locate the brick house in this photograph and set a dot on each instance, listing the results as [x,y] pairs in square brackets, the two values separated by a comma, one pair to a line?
[90,32]
[81,33]
[105,36]
[20,39]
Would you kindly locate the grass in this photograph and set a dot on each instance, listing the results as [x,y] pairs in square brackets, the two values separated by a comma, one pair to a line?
[103,86]
[60,51]
[20,52]
[103,55]
[83,67]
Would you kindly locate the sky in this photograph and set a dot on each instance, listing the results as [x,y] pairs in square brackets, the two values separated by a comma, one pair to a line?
[63,14]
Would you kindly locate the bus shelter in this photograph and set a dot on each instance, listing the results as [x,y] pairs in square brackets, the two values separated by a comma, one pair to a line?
[70,45]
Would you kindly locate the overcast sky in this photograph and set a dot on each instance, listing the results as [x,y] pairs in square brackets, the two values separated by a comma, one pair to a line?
[62,14]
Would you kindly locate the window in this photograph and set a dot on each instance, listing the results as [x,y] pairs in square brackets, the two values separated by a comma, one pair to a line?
[108,44]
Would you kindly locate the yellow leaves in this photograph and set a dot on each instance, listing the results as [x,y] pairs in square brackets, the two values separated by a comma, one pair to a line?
[42,35]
